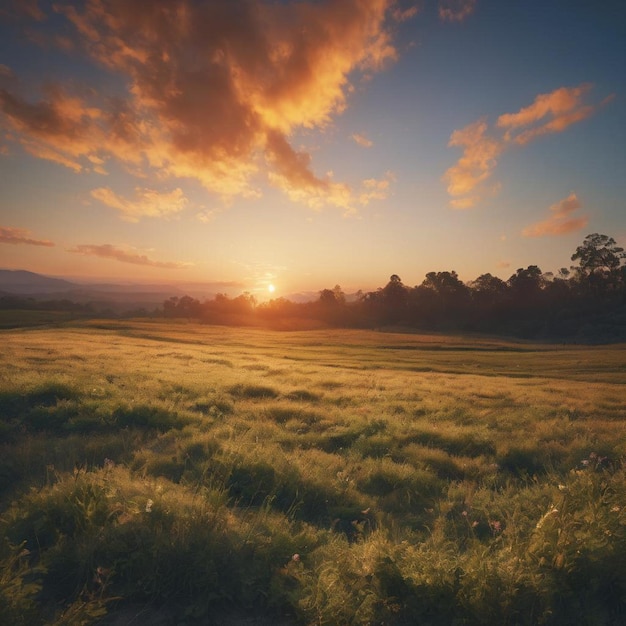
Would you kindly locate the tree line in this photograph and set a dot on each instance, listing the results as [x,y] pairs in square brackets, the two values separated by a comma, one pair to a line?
[584,302]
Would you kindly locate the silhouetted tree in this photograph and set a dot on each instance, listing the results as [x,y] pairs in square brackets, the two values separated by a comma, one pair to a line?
[327,298]
[488,289]
[394,299]
[599,261]
[529,304]
[526,282]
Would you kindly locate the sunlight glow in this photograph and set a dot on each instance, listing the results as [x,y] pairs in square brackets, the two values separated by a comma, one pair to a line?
[271,288]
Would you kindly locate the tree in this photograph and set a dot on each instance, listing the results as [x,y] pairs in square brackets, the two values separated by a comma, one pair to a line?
[527,282]
[327,298]
[395,293]
[332,297]
[388,304]
[488,288]
[446,284]
[599,262]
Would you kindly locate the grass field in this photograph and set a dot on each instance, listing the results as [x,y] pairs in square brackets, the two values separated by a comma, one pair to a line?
[188,474]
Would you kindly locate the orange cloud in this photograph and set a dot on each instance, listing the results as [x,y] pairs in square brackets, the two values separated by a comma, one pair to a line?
[210,87]
[362,140]
[21,236]
[556,111]
[480,152]
[73,132]
[147,202]
[108,251]
[291,173]
[550,113]
[559,222]
[456,10]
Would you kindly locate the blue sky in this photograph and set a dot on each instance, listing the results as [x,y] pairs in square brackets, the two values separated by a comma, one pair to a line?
[306,144]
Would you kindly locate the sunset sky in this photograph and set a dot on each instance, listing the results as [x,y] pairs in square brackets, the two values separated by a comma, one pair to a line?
[311,143]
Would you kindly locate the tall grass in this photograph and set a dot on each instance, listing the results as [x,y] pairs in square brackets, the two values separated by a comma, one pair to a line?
[322,477]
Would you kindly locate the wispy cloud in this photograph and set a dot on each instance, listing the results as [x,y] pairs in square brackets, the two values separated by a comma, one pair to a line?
[213,88]
[376,188]
[147,202]
[560,221]
[108,251]
[553,112]
[12,235]
[207,215]
[291,173]
[549,113]
[402,15]
[480,152]
[362,140]
[456,10]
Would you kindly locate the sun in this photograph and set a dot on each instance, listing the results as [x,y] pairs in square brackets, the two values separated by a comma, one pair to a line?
[271,288]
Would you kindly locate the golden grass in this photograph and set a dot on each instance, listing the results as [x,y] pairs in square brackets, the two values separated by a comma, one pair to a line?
[401,469]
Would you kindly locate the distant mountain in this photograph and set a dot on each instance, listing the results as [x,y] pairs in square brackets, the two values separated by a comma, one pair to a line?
[133,288]
[25,283]
[112,297]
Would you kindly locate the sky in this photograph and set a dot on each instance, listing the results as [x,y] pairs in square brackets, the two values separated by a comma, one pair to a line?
[304,144]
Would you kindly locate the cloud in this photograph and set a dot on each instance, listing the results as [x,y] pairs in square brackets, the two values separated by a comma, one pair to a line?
[147,202]
[71,130]
[362,140]
[207,216]
[210,87]
[480,152]
[292,174]
[21,236]
[456,10]
[376,189]
[556,111]
[402,15]
[560,222]
[108,251]
[549,113]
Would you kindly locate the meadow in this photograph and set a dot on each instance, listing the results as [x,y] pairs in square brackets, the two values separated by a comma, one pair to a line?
[178,473]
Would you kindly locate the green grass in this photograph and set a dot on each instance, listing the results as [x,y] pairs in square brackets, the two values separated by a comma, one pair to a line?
[198,473]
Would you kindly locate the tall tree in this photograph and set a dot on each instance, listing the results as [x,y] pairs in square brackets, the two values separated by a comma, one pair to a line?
[527,282]
[599,262]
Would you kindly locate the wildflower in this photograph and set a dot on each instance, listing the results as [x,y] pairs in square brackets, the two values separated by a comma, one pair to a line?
[108,463]
[562,487]
[496,526]
[585,462]
[464,513]
[149,504]
[296,558]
